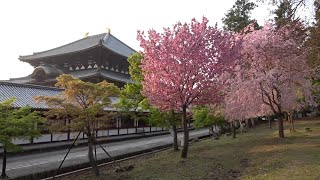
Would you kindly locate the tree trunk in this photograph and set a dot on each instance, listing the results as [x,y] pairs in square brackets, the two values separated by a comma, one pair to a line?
[220,129]
[4,164]
[247,124]
[185,133]
[233,130]
[241,127]
[291,121]
[269,120]
[253,122]
[292,126]
[211,132]
[174,131]
[93,162]
[175,138]
[286,118]
[280,124]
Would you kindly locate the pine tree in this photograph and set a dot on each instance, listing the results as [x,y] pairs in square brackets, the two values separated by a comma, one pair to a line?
[284,14]
[238,17]
[313,41]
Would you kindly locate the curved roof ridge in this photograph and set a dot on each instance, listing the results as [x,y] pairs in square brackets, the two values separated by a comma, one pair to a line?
[30,86]
[122,42]
[66,45]
[17,78]
[117,46]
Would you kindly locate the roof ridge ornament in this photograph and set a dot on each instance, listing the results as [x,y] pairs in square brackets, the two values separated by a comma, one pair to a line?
[105,38]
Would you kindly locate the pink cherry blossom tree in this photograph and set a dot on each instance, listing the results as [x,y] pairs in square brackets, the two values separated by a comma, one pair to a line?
[242,99]
[273,73]
[181,66]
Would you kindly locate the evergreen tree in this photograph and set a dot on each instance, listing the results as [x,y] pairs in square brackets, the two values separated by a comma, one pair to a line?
[313,41]
[313,44]
[238,17]
[284,14]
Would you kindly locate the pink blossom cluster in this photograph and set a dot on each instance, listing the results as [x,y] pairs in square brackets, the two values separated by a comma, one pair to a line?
[272,75]
[182,64]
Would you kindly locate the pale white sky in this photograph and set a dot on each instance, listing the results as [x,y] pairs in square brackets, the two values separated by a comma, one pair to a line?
[29,26]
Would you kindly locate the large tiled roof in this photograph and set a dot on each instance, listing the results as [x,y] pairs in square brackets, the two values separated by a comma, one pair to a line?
[24,94]
[106,39]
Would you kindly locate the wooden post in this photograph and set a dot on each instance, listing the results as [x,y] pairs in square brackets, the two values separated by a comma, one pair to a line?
[136,124]
[4,164]
[68,120]
[117,125]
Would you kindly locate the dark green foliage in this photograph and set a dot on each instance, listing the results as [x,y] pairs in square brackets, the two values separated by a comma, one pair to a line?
[17,123]
[284,14]
[313,44]
[134,68]
[313,41]
[130,96]
[203,117]
[163,119]
[238,17]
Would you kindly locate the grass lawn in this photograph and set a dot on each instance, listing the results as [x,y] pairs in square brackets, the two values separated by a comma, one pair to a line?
[257,154]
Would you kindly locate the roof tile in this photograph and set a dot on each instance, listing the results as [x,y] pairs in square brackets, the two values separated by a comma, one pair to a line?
[109,41]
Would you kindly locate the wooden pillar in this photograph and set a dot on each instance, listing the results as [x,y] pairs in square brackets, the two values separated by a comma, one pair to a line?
[67,122]
[118,125]
[136,124]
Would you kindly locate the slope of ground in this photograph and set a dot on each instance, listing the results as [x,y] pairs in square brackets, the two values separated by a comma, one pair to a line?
[257,154]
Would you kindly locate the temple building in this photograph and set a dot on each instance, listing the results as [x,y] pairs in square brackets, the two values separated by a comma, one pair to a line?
[92,59]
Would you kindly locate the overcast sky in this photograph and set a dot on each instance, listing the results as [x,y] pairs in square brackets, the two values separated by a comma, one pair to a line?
[29,26]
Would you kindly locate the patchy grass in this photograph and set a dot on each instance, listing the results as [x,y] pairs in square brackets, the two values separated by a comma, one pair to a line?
[257,154]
